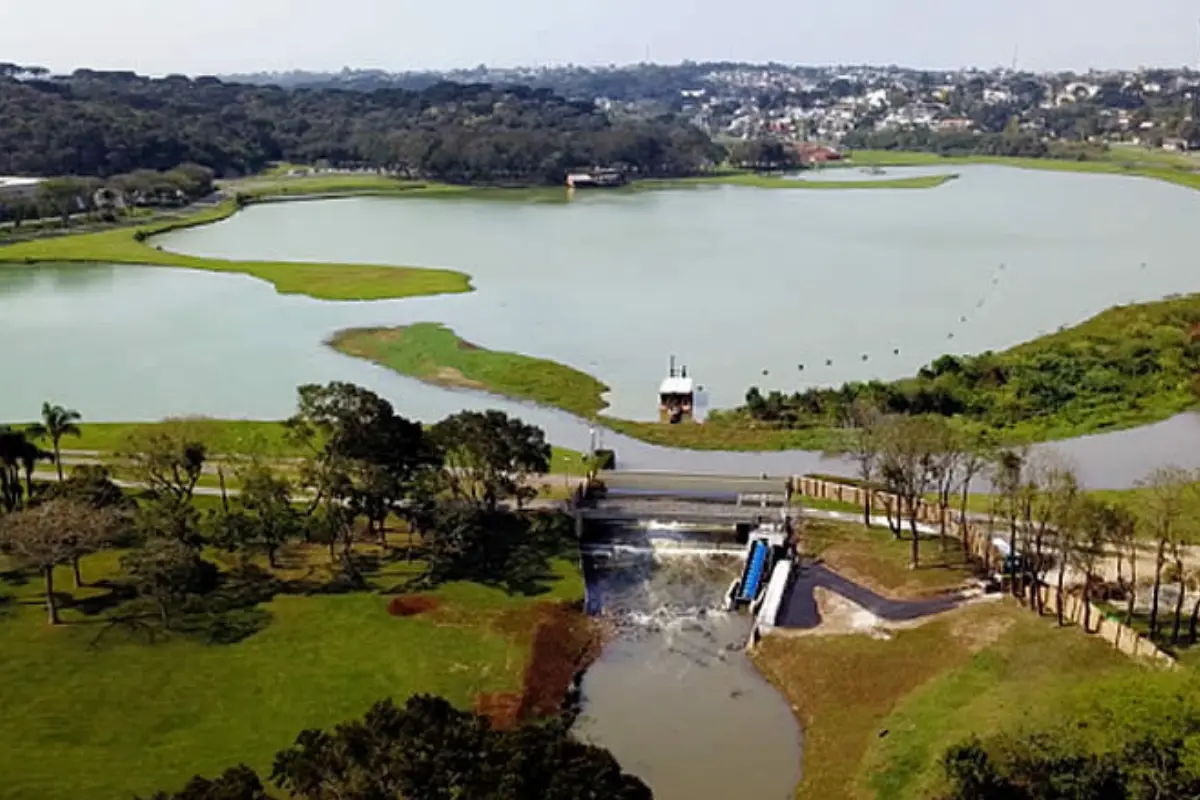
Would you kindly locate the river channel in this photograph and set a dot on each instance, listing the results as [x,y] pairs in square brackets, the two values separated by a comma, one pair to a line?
[674,696]
[777,288]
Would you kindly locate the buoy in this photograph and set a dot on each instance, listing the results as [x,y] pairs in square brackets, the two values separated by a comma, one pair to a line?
[864,356]
[829,362]
[962,319]
[800,367]
[950,336]
[766,372]
[896,352]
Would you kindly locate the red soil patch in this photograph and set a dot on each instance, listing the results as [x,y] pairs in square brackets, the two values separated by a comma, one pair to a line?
[565,641]
[411,605]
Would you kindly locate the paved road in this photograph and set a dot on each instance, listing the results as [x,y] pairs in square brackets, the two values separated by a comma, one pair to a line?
[799,608]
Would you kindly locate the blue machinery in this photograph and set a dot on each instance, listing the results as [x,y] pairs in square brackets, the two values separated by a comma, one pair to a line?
[766,551]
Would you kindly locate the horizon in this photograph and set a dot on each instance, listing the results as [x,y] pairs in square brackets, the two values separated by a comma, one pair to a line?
[225,37]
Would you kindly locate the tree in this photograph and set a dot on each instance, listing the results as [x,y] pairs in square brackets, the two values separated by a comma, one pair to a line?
[908,467]
[16,453]
[263,515]
[490,456]
[53,533]
[947,456]
[237,783]
[1166,490]
[361,453]
[977,453]
[1066,512]
[168,458]
[429,749]
[1089,549]
[167,572]
[863,425]
[56,423]
[1009,482]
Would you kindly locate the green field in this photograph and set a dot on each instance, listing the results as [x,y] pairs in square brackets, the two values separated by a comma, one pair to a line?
[321,281]
[1159,165]
[760,181]
[434,354]
[877,714]
[127,717]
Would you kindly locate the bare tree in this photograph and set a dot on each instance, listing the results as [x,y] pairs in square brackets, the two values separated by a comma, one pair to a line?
[1166,490]
[1008,479]
[1054,483]
[863,445]
[907,468]
[947,456]
[1066,512]
[53,533]
[976,454]
[1089,550]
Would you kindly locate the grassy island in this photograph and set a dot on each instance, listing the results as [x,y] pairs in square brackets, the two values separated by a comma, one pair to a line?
[134,245]
[434,354]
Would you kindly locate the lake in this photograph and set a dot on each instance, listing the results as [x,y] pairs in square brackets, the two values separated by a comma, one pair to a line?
[777,288]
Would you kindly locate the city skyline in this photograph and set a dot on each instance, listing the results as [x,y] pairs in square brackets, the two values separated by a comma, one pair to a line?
[227,36]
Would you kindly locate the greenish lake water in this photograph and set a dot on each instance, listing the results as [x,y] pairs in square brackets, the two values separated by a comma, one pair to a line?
[775,288]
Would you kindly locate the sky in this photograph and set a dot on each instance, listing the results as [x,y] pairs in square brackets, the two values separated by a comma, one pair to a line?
[224,36]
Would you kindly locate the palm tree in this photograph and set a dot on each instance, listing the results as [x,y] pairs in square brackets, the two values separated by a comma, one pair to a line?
[17,453]
[56,423]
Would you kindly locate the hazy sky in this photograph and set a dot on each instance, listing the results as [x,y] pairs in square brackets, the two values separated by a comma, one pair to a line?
[212,36]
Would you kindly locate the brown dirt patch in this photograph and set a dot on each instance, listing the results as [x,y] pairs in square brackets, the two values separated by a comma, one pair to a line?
[449,376]
[564,641]
[411,605]
[978,631]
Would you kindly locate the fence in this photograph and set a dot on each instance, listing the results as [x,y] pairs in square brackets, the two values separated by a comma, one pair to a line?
[978,539]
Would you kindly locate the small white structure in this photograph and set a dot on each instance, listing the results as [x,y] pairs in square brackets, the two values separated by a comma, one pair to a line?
[13,188]
[676,396]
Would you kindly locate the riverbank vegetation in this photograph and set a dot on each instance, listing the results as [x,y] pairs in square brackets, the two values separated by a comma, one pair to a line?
[868,705]
[768,181]
[393,560]
[321,281]
[1127,366]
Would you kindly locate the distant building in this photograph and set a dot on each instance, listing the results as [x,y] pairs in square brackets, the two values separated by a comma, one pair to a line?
[812,153]
[18,188]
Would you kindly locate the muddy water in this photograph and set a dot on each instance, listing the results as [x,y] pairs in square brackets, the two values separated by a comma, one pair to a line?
[674,696]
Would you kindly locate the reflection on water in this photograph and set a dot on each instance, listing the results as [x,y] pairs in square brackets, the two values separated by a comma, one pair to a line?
[674,696]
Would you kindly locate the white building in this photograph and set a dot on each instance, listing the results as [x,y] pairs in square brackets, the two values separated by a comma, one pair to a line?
[15,188]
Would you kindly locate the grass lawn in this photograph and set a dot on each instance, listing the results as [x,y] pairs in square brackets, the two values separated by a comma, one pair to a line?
[1120,161]
[876,559]
[434,354]
[321,281]
[972,670]
[760,181]
[127,717]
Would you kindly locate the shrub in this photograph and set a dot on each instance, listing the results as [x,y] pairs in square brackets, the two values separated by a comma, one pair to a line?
[411,605]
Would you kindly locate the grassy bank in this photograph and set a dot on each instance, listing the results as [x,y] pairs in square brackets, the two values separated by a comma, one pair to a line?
[434,354]
[761,181]
[127,717]
[321,281]
[1146,164]
[877,714]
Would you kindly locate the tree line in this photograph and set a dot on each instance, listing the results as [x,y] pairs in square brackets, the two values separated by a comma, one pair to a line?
[106,199]
[108,123]
[1054,530]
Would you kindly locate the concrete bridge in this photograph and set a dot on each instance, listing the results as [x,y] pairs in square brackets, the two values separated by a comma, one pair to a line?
[633,497]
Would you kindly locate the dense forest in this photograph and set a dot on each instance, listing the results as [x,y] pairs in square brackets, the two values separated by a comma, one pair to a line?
[970,143]
[105,123]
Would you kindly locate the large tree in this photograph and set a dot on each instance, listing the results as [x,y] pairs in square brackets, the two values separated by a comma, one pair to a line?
[53,533]
[18,454]
[490,457]
[168,458]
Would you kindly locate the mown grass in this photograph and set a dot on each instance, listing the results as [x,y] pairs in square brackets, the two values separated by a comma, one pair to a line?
[880,561]
[1030,675]
[434,354]
[321,281]
[268,439]
[126,717]
[877,714]
[1147,164]
[760,181]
